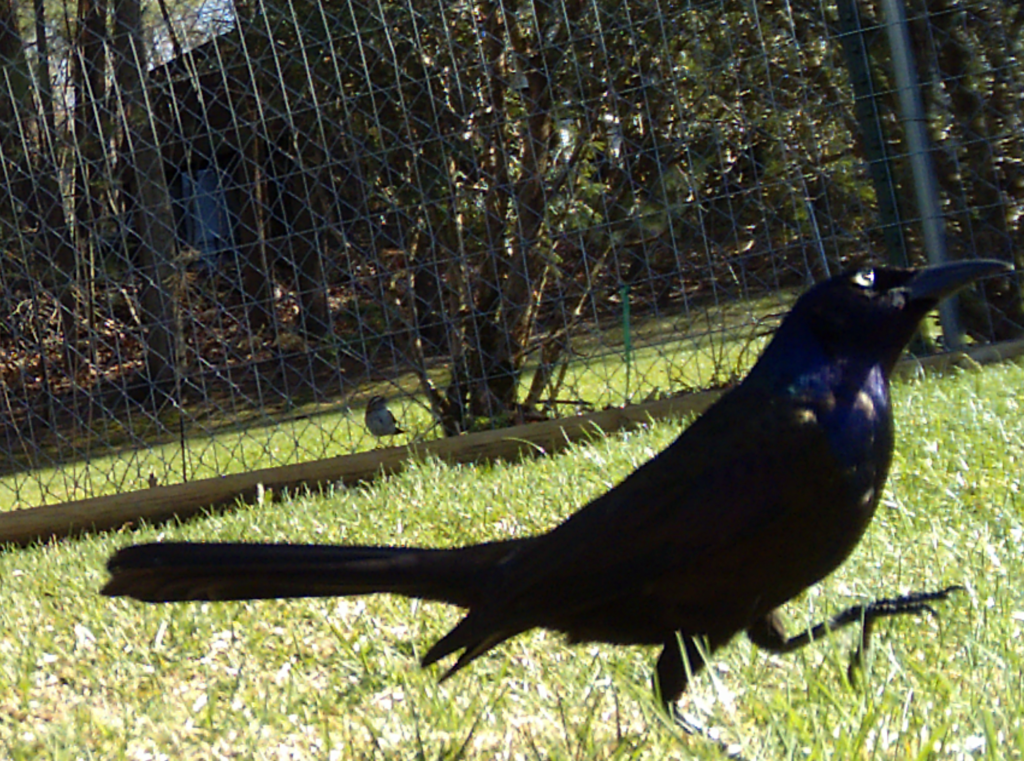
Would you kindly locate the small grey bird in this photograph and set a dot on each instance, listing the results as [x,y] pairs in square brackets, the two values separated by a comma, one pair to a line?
[379,420]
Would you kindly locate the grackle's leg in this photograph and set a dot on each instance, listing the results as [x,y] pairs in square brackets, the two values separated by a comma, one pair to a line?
[673,673]
[680,661]
[769,634]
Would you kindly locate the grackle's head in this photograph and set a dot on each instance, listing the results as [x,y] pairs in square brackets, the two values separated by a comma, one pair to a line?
[875,311]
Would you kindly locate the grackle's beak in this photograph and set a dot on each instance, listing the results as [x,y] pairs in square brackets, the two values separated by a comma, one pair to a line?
[941,280]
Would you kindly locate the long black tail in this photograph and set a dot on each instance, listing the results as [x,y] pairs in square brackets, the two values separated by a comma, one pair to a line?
[170,572]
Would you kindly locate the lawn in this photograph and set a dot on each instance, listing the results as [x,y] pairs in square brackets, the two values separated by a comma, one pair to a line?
[85,677]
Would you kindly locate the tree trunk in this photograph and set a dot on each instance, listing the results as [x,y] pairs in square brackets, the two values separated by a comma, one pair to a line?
[872,139]
[257,273]
[153,218]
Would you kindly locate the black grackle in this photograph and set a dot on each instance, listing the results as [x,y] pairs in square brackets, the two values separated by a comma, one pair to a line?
[763,495]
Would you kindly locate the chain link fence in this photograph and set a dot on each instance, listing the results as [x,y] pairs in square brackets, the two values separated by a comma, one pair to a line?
[225,227]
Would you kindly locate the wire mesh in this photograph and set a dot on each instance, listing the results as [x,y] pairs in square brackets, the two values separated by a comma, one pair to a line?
[228,225]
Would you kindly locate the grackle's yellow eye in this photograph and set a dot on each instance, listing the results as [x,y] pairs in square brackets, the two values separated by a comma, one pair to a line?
[865,278]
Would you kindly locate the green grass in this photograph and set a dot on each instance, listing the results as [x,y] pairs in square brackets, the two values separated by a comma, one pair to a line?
[84,677]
